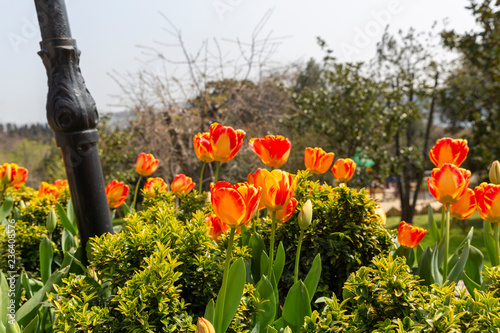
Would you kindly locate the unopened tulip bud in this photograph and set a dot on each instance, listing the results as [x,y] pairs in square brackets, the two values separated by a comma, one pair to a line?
[22,204]
[495,173]
[204,326]
[6,179]
[305,215]
[51,222]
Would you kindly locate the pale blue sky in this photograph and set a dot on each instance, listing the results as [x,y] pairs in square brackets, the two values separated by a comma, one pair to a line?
[108,32]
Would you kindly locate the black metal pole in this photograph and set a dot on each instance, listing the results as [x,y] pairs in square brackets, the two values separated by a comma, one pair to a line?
[72,115]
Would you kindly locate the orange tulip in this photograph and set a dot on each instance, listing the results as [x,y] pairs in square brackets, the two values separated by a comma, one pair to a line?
[225,142]
[146,164]
[202,147]
[284,215]
[13,175]
[317,161]
[465,207]
[116,192]
[154,186]
[61,184]
[277,189]
[410,236]
[47,189]
[235,204]
[204,326]
[182,184]
[448,150]
[343,169]
[488,202]
[448,183]
[215,226]
[256,179]
[273,150]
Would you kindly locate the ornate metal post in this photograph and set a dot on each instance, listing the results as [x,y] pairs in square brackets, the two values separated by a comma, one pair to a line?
[72,115]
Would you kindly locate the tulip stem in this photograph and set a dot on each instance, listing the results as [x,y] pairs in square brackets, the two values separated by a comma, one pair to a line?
[271,248]
[222,292]
[496,234]
[201,176]
[297,257]
[443,210]
[217,172]
[135,194]
[446,242]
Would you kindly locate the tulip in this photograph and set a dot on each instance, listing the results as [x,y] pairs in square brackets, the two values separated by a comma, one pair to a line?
[146,164]
[204,326]
[488,202]
[495,173]
[202,147]
[225,141]
[47,189]
[6,173]
[305,215]
[182,184]
[215,226]
[448,150]
[277,189]
[273,150]
[465,207]
[256,179]
[343,169]
[317,161]
[236,204]
[13,175]
[51,221]
[116,192]
[410,236]
[154,186]
[284,215]
[448,183]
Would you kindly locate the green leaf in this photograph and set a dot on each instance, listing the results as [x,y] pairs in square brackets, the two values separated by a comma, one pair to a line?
[65,221]
[279,263]
[210,311]
[257,246]
[297,306]
[26,285]
[470,284]
[272,329]
[264,264]
[29,309]
[474,265]
[12,328]
[436,275]
[489,242]
[312,278]
[278,325]
[245,235]
[46,256]
[457,270]
[32,326]
[6,208]
[256,328]
[4,298]
[424,266]
[266,311]
[431,225]
[126,210]
[67,240]
[70,212]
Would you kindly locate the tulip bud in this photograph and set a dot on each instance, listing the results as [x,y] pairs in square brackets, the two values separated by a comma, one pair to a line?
[495,173]
[287,330]
[204,326]
[51,222]
[7,174]
[305,215]
[22,204]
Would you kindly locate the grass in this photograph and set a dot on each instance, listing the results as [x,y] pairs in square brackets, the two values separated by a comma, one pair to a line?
[458,231]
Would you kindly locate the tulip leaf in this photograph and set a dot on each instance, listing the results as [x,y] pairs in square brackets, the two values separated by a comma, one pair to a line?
[279,263]
[70,212]
[256,328]
[424,266]
[474,265]
[65,222]
[257,246]
[29,309]
[457,270]
[312,278]
[4,298]
[272,329]
[467,239]
[431,225]
[436,275]
[32,326]
[266,311]
[264,264]
[126,210]
[26,285]
[489,242]
[245,235]
[6,208]
[46,256]
[278,325]
[210,311]
[297,306]
[67,240]
[470,284]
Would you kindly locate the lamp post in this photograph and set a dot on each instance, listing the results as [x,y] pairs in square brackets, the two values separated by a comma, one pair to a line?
[72,115]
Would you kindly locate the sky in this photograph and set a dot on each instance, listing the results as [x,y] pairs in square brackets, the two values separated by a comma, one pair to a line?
[109,33]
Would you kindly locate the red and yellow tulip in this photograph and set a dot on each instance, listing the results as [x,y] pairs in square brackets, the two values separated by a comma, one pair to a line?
[146,164]
[410,236]
[488,202]
[343,169]
[317,161]
[278,188]
[154,186]
[465,207]
[273,150]
[225,142]
[182,184]
[256,179]
[284,215]
[448,150]
[202,147]
[116,192]
[235,204]
[448,183]
[47,189]
[204,326]
[215,226]
[13,175]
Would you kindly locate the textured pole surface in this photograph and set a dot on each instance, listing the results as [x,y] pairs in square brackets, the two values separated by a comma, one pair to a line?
[72,115]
